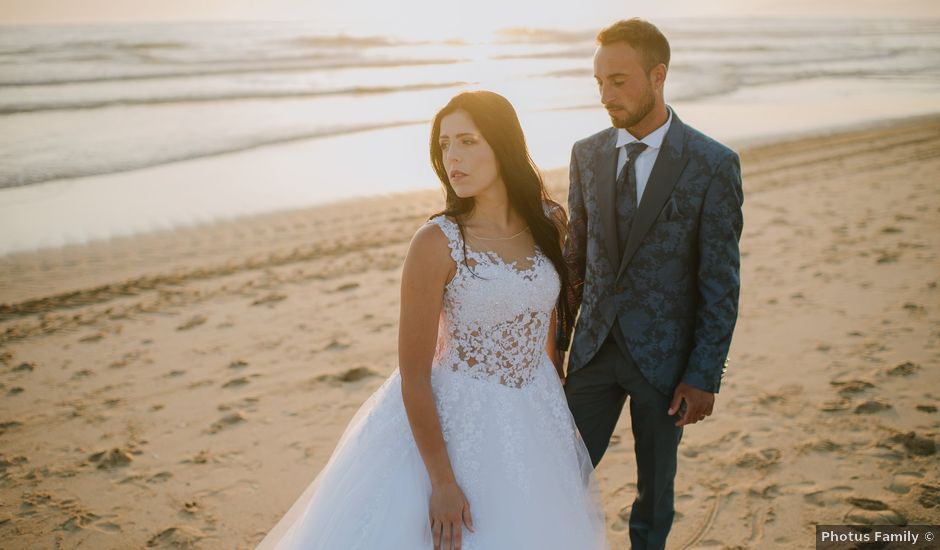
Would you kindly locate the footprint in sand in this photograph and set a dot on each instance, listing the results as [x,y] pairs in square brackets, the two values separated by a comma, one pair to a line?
[246,404]
[382,326]
[79,521]
[178,536]
[872,407]
[883,256]
[903,482]
[620,524]
[906,368]
[820,446]
[227,421]
[84,373]
[914,444]
[769,492]
[192,322]
[852,387]
[270,299]
[32,500]
[159,477]
[25,367]
[15,390]
[927,408]
[9,462]
[929,496]
[127,359]
[352,375]
[91,337]
[238,364]
[827,497]
[109,526]
[869,511]
[174,373]
[236,382]
[763,460]
[785,400]
[7,426]
[346,287]
[335,345]
[112,458]
[202,457]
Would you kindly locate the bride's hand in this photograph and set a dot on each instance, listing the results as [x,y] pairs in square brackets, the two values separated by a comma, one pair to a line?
[448,509]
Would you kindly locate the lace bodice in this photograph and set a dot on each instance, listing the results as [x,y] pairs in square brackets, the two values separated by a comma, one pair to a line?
[495,318]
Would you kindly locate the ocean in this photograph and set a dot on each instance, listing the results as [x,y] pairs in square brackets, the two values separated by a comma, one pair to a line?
[82,102]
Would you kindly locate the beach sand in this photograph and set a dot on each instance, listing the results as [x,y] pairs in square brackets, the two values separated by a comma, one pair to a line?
[181,389]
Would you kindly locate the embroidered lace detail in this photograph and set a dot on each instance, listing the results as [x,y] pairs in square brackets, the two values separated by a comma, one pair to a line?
[494,321]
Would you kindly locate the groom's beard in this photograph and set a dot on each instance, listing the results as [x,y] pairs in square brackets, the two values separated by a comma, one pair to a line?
[634,118]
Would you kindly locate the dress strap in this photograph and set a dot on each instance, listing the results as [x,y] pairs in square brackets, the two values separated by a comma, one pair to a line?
[452,232]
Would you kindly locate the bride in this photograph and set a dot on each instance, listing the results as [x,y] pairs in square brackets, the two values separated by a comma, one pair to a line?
[470,443]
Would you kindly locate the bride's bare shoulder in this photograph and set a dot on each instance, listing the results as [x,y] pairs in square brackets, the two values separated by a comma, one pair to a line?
[430,247]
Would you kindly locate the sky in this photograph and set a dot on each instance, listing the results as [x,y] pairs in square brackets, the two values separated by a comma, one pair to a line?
[443,18]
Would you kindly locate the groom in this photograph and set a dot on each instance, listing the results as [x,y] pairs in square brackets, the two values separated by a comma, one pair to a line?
[652,254]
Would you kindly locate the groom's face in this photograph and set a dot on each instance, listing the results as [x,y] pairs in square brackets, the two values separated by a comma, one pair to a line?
[625,86]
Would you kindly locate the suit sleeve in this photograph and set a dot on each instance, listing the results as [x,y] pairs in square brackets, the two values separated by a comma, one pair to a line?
[719,278]
[575,251]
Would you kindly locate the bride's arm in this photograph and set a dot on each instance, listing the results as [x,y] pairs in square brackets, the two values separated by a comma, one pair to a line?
[427,269]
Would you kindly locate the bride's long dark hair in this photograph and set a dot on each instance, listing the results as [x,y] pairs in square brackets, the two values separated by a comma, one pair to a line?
[497,122]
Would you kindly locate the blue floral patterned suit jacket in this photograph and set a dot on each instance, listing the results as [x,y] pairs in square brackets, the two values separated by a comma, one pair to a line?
[674,285]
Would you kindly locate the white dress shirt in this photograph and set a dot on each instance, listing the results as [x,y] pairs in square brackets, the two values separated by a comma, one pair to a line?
[646,159]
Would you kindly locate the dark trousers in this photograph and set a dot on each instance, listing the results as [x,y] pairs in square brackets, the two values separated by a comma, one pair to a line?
[596,394]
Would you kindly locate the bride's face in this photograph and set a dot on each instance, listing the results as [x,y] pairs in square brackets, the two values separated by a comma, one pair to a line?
[470,162]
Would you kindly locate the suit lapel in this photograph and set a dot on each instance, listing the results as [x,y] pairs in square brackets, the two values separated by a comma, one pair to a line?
[669,164]
[605,176]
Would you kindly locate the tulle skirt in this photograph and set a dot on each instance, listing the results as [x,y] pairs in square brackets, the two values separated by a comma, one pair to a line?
[516,455]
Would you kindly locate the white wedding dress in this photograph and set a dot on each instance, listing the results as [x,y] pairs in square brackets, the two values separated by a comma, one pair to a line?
[512,442]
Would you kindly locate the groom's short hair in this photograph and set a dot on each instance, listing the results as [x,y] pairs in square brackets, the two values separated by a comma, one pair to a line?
[640,35]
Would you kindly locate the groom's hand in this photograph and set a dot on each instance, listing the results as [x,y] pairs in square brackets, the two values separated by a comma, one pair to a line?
[697,404]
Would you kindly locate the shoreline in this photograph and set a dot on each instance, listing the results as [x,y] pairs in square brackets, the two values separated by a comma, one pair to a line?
[318,172]
[742,145]
[15,266]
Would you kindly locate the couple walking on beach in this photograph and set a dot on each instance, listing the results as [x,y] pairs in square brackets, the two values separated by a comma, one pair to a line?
[480,440]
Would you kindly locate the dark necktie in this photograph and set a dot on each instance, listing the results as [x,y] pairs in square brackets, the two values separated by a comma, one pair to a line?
[626,194]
